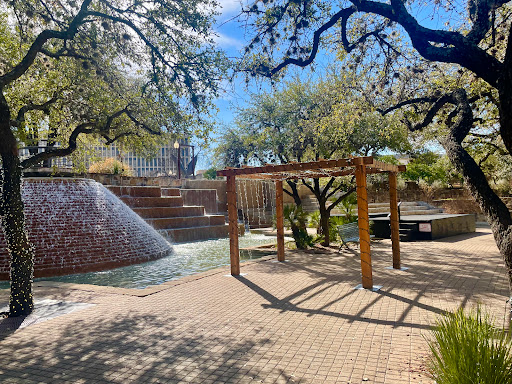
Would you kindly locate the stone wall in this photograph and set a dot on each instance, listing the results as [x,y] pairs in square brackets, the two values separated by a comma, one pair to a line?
[107,179]
[453,200]
[379,193]
[77,225]
[205,197]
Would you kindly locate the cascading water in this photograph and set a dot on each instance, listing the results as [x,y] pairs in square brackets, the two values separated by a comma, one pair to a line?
[77,225]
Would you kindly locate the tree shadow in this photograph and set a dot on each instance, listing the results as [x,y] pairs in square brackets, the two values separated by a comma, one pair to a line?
[435,271]
[285,305]
[133,348]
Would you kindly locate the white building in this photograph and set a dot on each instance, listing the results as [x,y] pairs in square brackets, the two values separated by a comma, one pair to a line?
[164,163]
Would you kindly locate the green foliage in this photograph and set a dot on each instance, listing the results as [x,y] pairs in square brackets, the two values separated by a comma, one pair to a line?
[307,120]
[296,219]
[430,168]
[210,174]
[347,206]
[390,159]
[314,220]
[467,348]
[114,77]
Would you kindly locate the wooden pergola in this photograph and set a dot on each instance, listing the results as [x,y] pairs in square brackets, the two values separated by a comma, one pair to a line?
[360,166]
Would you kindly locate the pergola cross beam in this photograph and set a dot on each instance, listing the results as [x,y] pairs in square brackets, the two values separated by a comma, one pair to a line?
[360,166]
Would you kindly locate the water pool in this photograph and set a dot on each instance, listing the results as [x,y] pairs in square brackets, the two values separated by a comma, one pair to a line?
[186,259]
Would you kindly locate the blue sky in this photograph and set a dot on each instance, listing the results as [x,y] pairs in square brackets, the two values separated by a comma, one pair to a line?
[231,37]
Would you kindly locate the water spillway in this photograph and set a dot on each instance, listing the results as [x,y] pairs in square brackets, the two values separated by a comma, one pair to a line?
[78,225]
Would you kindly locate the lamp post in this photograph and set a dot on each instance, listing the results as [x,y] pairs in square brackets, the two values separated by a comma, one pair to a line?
[177,146]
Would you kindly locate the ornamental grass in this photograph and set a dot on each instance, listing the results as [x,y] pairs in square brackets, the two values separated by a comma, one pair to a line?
[468,349]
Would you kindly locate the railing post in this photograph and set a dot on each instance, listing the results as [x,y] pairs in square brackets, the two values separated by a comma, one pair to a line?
[394,220]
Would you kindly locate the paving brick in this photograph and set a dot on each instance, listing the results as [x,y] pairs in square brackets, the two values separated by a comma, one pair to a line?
[299,321]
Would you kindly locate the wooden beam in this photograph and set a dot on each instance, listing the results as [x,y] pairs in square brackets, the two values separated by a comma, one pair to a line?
[234,252]
[394,223]
[260,176]
[345,172]
[384,166]
[365,160]
[280,220]
[364,227]
[313,165]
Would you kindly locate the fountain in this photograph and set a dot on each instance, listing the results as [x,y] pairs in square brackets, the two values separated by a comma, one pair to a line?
[77,225]
[256,202]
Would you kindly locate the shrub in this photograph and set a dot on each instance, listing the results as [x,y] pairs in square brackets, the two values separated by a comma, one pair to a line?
[468,349]
[210,174]
[111,166]
[296,218]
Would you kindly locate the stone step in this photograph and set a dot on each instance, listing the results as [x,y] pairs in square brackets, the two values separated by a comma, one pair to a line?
[403,204]
[182,235]
[186,222]
[402,208]
[414,208]
[171,192]
[163,212]
[135,191]
[168,201]
[205,197]
[421,212]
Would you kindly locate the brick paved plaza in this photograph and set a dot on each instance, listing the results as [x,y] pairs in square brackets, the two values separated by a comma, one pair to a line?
[294,322]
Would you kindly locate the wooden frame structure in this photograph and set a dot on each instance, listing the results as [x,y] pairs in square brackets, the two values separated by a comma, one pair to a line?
[360,166]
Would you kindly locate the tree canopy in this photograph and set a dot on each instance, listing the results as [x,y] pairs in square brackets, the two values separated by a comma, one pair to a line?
[308,120]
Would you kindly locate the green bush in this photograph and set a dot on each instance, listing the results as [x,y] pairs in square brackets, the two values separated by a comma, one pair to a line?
[210,174]
[296,219]
[468,349]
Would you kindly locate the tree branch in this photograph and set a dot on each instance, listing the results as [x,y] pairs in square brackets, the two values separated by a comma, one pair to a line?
[39,42]
[20,118]
[314,50]
[61,152]
[339,199]
[134,28]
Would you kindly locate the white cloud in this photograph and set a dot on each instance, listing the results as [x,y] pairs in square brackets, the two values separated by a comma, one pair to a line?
[225,41]
[229,6]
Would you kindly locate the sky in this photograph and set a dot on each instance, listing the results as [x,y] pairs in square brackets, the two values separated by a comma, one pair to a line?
[232,38]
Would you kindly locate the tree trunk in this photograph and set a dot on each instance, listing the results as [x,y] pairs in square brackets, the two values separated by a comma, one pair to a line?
[294,193]
[494,208]
[324,223]
[324,212]
[13,220]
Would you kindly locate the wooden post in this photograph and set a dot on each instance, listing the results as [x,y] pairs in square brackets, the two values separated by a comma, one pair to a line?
[233,226]
[364,227]
[279,220]
[394,223]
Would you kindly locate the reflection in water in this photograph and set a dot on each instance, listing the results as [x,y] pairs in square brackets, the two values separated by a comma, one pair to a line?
[186,259]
